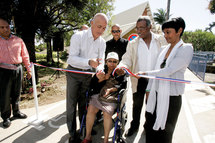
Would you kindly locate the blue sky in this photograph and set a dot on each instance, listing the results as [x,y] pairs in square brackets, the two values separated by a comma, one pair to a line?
[194,12]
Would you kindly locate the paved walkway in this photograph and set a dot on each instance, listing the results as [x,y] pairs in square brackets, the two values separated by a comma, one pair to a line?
[195,124]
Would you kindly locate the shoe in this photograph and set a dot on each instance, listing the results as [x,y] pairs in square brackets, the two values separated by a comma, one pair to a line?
[6,123]
[20,115]
[86,141]
[71,140]
[130,132]
[93,132]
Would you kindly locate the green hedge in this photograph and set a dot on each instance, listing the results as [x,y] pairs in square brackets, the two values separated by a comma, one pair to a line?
[201,40]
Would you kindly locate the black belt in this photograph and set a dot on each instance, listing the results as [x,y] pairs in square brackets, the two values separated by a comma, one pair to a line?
[79,69]
[16,65]
[9,66]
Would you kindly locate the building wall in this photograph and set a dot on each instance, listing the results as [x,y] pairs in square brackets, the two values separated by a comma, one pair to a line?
[129,33]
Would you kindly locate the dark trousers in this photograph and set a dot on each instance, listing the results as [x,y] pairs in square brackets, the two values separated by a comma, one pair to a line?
[10,89]
[138,98]
[77,85]
[163,136]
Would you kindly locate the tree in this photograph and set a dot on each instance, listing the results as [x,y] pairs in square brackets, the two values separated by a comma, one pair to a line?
[57,21]
[211,7]
[160,16]
[32,16]
[46,17]
[211,25]
[168,9]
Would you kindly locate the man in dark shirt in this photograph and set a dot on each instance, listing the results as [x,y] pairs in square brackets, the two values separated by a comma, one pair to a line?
[117,44]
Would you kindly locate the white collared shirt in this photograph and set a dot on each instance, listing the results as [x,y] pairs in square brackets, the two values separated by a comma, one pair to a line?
[83,47]
[147,57]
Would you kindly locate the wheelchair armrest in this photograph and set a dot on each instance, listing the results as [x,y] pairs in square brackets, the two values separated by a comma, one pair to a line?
[121,91]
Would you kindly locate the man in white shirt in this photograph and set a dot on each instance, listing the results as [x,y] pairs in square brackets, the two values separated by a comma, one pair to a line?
[87,53]
[141,55]
[84,27]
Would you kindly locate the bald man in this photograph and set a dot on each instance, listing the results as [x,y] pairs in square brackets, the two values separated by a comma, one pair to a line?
[84,27]
[87,53]
[116,44]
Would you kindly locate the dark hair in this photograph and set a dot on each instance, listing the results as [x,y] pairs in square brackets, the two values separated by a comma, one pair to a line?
[145,18]
[5,19]
[175,23]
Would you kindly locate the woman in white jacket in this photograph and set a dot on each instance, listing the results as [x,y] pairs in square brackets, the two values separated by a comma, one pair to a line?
[164,101]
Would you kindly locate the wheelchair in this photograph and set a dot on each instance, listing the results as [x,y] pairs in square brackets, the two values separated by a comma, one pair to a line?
[119,122]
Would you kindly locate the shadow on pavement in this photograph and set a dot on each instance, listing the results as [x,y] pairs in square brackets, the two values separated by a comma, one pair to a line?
[43,131]
[64,138]
[2,140]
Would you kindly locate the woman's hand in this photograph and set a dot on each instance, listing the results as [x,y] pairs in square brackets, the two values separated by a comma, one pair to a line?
[120,71]
[138,75]
[110,90]
[100,76]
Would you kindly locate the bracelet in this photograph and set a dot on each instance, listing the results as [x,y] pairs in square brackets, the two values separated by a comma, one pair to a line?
[148,90]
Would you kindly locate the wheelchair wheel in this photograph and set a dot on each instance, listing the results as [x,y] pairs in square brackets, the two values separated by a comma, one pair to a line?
[124,116]
[120,140]
[82,134]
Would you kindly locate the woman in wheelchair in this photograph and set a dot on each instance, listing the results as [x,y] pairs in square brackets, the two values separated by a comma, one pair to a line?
[103,93]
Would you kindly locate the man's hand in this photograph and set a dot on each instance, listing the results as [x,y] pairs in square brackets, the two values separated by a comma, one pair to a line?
[95,62]
[147,96]
[29,75]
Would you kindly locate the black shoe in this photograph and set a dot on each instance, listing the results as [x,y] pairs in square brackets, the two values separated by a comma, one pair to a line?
[76,140]
[130,132]
[93,132]
[20,115]
[71,140]
[6,123]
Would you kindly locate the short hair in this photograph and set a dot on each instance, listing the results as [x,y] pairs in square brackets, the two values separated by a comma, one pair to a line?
[100,14]
[116,25]
[145,18]
[175,23]
[4,19]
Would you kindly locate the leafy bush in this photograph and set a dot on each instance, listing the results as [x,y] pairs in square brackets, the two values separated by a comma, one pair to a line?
[64,55]
[54,54]
[67,38]
[40,56]
[201,40]
[40,48]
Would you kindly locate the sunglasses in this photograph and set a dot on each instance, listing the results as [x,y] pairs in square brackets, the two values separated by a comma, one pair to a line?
[115,31]
[109,61]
